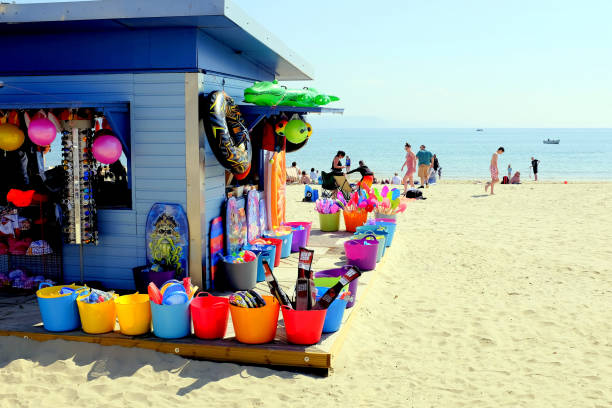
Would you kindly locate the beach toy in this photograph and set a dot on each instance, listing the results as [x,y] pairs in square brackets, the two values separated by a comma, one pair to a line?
[168,289]
[329,222]
[280,126]
[98,317]
[336,273]
[565,182]
[42,131]
[154,293]
[256,325]
[335,312]
[11,137]
[240,275]
[210,315]
[169,283]
[134,314]
[175,298]
[303,326]
[59,311]
[106,149]
[305,224]
[296,131]
[361,253]
[171,321]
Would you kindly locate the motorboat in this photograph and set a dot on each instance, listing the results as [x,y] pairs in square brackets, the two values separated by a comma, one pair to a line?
[551,141]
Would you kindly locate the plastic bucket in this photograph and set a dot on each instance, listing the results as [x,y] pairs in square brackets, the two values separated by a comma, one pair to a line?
[267,252]
[59,312]
[378,230]
[286,239]
[337,273]
[374,235]
[307,225]
[241,276]
[209,314]
[361,253]
[171,321]
[256,325]
[278,244]
[335,313]
[303,326]
[390,216]
[329,222]
[159,278]
[353,219]
[134,314]
[97,318]
[300,238]
[390,228]
[393,220]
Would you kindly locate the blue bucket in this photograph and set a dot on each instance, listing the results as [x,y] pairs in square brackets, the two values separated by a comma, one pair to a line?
[335,312]
[59,312]
[390,228]
[267,252]
[377,229]
[286,246]
[171,321]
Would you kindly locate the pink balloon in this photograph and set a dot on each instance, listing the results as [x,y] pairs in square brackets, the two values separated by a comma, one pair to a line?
[384,191]
[42,131]
[402,207]
[106,149]
[363,204]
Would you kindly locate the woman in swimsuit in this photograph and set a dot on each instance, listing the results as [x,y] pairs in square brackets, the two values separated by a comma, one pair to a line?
[410,164]
[494,170]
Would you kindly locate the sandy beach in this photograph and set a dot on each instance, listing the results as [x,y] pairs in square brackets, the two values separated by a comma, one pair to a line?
[483,301]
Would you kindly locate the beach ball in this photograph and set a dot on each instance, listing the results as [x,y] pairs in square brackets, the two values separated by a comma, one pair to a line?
[106,149]
[11,137]
[42,131]
[280,126]
[296,131]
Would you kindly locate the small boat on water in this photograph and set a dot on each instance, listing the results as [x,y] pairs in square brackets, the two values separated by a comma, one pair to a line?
[551,141]
[479,130]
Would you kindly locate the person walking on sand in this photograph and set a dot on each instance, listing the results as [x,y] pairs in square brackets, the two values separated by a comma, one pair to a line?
[347,163]
[410,164]
[494,170]
[534,167]
[425,163]
[509,170]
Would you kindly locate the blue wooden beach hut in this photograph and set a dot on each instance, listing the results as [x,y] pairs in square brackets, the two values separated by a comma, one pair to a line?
[143,63]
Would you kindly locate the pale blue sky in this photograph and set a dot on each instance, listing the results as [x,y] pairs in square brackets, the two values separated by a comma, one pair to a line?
[438,63]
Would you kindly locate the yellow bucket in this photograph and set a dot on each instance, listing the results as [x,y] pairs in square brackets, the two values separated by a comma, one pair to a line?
[97,318]
[134,313]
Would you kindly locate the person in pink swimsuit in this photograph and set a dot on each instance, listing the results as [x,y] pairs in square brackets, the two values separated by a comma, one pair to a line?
[410,164]
[494,170]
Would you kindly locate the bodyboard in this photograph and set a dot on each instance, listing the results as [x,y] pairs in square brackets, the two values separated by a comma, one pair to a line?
[235,227]
[167,236]
[263,220]
[278,177]
[252,212]
[216,246]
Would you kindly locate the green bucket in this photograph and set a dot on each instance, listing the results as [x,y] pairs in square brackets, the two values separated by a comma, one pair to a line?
[329,222]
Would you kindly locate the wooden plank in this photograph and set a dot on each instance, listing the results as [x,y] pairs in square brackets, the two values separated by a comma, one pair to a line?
[195,349]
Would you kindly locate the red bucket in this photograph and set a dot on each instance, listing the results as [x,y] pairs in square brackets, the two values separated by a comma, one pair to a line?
[209,314]
[303,326]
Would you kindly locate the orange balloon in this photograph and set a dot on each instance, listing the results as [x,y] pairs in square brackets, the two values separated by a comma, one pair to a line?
[11,137]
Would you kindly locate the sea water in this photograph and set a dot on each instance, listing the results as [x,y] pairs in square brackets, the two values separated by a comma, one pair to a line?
[582,154]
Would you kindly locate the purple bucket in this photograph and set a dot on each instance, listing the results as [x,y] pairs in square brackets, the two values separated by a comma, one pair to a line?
[337,273]
[361,253]
[300,239]
[159,278]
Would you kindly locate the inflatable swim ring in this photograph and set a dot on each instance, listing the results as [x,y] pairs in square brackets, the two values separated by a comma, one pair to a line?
[227,134]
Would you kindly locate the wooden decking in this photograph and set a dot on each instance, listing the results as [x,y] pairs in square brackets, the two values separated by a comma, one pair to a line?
[22,319]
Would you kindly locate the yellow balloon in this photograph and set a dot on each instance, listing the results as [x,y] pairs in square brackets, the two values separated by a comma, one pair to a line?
[11,137]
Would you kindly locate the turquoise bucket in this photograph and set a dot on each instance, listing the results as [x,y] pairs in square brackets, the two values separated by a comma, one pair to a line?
[263,252]
[59,312]
[171,321]
[390,228]
[377,229]
[287,240]
[379,236]
[335,312]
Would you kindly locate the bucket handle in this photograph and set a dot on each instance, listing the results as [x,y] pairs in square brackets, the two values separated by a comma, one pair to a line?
[203,293]
[44,285]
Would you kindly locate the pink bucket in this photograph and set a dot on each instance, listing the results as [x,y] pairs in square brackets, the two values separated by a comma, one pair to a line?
[307,225]
[361,253]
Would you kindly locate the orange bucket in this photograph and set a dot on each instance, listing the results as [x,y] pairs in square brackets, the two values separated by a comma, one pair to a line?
[256,325]
[354,219]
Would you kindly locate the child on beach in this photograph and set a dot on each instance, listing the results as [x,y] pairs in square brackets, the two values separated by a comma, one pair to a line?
[494,170]
[509,171]
[410,164]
